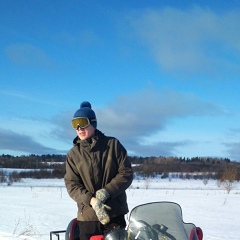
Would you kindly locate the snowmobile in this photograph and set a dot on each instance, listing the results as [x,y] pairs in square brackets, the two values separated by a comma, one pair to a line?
[150,221]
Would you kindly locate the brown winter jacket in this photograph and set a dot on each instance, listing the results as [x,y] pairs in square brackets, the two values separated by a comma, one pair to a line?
[100,162]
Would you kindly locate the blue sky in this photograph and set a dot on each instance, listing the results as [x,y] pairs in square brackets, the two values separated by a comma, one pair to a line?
[162,76]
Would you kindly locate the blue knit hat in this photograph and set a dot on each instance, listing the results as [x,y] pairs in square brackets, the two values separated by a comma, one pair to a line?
[85,110]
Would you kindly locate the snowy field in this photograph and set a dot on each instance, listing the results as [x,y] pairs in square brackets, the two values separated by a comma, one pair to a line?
[30,209]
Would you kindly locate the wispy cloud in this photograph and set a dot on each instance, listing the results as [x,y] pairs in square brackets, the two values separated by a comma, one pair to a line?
[28,55]
[24,96]
[190,41]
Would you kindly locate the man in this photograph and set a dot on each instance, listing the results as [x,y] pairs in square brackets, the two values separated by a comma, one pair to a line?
[98,172]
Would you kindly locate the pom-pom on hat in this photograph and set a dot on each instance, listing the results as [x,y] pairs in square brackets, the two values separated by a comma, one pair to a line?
[85,110]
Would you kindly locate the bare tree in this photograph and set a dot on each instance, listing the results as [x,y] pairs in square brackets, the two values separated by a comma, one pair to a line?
[228,178]
[147,183]
[205,181]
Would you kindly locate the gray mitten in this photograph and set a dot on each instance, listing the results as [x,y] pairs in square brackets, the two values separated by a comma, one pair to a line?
[101,212]
[102,195]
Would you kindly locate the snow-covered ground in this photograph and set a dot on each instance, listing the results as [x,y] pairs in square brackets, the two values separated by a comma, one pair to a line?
[30,209]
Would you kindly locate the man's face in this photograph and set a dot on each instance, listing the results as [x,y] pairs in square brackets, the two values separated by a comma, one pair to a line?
[85,133]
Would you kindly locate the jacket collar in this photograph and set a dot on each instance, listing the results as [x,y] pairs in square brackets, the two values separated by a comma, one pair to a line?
[98,134]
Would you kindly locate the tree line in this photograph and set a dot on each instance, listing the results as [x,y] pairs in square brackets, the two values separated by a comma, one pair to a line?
[53,166]
[151,166]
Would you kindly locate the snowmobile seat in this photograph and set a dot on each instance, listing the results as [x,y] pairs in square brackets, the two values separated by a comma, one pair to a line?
[72,232]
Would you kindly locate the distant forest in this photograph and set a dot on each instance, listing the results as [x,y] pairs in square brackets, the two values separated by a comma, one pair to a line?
[53,166]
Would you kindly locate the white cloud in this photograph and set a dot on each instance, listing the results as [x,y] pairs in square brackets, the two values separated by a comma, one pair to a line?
[190,40]
[143,114]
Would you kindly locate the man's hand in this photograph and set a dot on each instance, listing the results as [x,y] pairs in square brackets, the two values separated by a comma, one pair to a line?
[102,195]
[101,210]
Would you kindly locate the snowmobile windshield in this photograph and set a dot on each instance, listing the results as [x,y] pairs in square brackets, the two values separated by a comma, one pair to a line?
[158,221]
